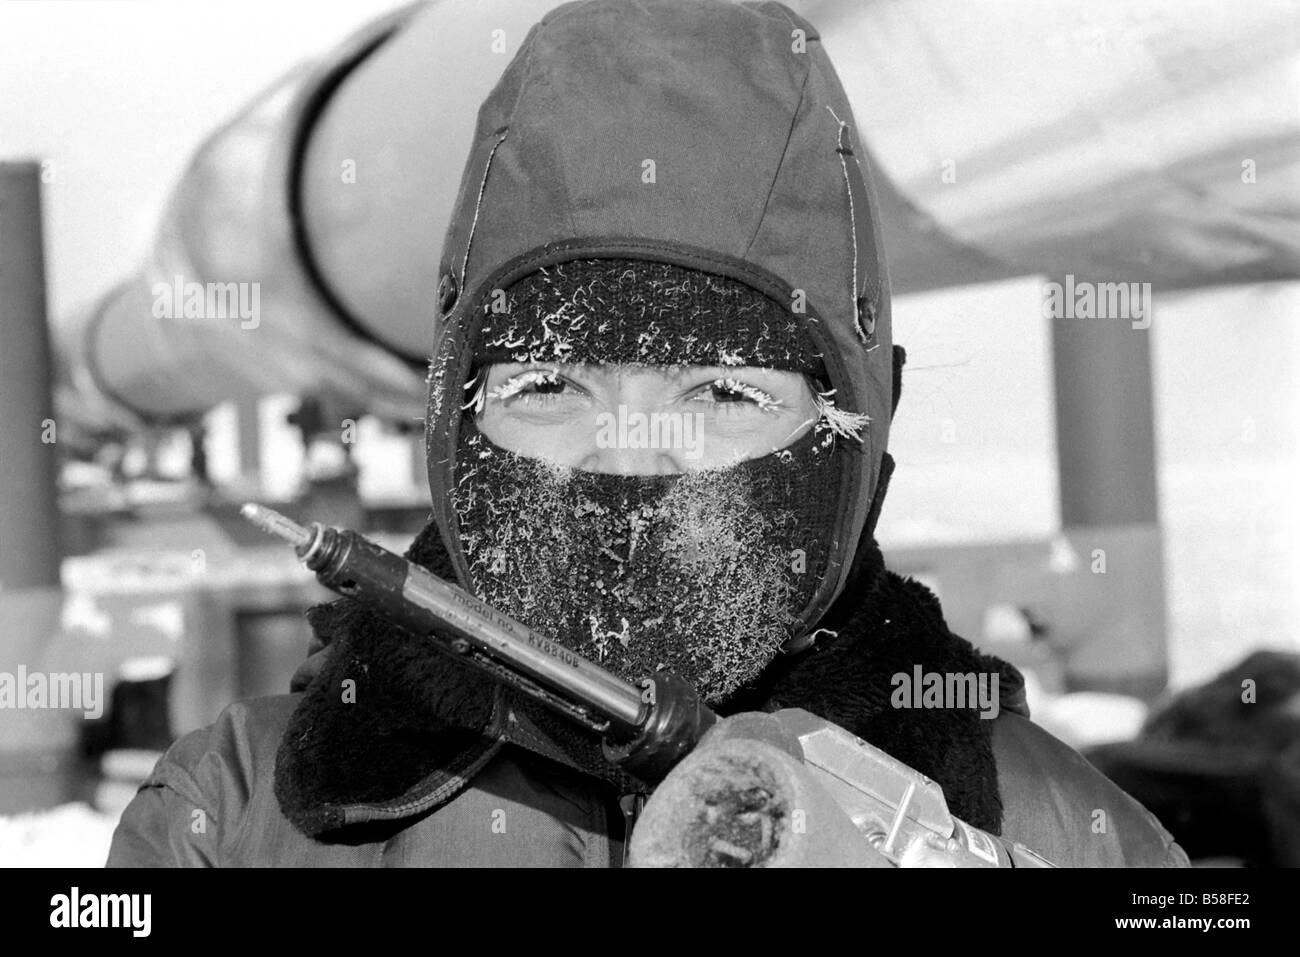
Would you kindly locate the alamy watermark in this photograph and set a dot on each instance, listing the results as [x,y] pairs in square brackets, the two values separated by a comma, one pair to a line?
[951,689]
[1094,300]
[75,909]
[39,690]
[209,300]
[651,430]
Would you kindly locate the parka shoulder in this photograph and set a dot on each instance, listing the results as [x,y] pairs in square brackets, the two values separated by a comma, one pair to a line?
[1060,806]
[203,787]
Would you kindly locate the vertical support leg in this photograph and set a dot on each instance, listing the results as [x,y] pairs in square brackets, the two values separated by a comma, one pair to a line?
[1112,611]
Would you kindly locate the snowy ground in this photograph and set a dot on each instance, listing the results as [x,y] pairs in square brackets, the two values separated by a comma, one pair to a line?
[72,835]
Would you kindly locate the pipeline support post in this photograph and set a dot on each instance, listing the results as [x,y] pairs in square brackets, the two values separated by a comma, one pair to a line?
[30,549]
[1112,617]
[37,742]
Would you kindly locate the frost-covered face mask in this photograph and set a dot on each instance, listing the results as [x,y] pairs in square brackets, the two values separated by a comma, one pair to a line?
[703,573]
[704,569]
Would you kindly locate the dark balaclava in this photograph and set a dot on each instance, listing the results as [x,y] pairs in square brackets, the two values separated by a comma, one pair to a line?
[703,573]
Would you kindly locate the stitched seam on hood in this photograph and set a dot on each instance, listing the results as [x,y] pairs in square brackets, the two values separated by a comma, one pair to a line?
[842,147]
[478,202]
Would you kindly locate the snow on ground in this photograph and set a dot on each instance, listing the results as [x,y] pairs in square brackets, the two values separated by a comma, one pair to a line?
[71,835]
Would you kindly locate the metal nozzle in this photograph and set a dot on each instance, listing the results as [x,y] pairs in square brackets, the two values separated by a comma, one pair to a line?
[272,521]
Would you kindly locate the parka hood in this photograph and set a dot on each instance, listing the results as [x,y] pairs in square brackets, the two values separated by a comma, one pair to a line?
[705,134]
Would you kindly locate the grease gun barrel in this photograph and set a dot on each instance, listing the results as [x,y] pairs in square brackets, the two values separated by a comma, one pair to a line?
[647,729]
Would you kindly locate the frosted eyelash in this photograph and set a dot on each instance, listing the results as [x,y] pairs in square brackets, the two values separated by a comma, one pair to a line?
[516,384]
[479,398]
[755,395]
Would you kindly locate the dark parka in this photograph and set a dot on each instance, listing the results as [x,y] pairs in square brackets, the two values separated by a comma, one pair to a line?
[712,136]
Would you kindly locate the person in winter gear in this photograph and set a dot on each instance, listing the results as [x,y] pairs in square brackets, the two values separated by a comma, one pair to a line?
[667,211]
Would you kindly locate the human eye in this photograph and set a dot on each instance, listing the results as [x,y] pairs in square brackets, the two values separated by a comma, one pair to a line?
[535,387]
[735,394]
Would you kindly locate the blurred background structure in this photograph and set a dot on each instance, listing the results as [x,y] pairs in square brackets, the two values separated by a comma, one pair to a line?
[1107,501]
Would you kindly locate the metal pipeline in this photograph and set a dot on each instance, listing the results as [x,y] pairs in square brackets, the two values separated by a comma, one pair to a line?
[1159,147]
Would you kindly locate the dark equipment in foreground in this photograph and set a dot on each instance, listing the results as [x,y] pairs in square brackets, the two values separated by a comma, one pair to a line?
[648,729]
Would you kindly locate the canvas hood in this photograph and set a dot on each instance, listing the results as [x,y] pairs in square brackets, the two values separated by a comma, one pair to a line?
[709,135]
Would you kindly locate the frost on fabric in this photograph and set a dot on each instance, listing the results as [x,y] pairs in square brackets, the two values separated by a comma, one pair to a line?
[834,422]
[440,368]
[634,312]
[687,572]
